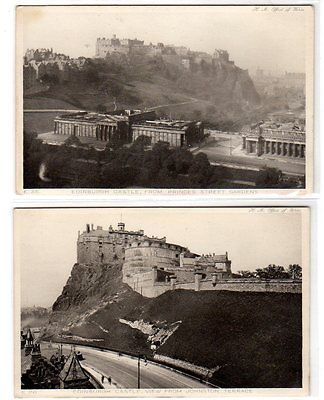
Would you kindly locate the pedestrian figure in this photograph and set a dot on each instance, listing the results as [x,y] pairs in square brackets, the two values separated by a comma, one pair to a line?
[109,380]
[102,378]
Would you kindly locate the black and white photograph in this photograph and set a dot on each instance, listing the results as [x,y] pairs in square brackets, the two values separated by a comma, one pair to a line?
[124,301]
[165,98]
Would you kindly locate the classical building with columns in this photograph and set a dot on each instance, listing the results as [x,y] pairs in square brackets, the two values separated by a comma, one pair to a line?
[276,142]
[103,127]
[176,133]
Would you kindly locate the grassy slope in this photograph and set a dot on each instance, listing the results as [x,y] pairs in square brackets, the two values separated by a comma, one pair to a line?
[256,336]
[147,83]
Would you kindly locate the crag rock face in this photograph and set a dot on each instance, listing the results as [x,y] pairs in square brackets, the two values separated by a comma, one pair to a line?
[88,284]
[222,84]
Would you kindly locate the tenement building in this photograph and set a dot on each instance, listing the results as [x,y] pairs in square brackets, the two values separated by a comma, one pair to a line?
[176,133]
[103,127]
[280,141]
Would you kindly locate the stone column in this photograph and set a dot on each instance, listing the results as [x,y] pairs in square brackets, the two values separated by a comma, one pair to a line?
[296,150]
[302,151]
[198,276]
[290,149]
[173,280]
[259,150]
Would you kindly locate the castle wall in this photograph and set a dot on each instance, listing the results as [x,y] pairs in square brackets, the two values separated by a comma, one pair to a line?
[246,285]
[94,251]
[142,256]
[183,274]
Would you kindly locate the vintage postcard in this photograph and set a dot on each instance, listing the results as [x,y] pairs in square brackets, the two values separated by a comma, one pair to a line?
[115,302]
[207,100]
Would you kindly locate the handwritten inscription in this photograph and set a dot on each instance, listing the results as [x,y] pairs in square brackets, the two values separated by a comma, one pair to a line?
[278,8]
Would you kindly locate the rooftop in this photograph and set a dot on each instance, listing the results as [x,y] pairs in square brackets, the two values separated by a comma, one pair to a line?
[214,257]
[99,231]
[72,370]
[164,123]
[85,116]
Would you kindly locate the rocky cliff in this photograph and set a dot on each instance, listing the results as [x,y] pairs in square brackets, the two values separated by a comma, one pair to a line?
[246,339]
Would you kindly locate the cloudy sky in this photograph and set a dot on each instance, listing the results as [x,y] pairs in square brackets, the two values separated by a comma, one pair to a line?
[46,239]
[273,39]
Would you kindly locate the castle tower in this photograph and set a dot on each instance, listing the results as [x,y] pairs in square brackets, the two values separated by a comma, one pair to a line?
[121,226]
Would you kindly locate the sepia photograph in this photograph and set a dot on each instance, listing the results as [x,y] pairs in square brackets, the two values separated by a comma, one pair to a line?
[127,301]
[165,98]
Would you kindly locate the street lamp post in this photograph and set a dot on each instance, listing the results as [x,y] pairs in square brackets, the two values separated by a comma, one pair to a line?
[139,372]
[139,369]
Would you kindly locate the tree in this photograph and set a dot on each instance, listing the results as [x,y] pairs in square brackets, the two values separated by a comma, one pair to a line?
[72,141]
[141,142]
[272,271]
[268,177]
[200,171]
[295,271]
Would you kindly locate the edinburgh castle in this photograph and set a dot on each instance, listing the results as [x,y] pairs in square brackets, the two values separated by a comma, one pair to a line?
[152,266]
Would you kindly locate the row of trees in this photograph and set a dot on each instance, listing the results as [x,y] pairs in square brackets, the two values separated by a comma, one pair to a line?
[119,167]
[272,271]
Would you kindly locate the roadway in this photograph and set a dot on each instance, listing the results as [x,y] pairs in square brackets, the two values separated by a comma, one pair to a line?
[123,370]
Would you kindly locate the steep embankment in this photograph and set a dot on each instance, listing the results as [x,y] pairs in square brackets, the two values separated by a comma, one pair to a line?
[220,94]
[250,339]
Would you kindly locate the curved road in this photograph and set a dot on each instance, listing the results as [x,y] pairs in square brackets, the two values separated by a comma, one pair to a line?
[123,370]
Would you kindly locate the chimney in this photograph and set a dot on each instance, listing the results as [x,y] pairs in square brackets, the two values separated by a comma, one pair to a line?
[88,228]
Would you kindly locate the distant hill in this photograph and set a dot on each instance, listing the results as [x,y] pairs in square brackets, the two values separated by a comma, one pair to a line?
[223,94]
[251,339]
[34,317]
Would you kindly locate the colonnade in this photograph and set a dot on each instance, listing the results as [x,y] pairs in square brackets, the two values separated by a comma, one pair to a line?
[273,147]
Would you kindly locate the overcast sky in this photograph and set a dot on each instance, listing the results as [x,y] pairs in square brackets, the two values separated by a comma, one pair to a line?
[46,239]
[272,40]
